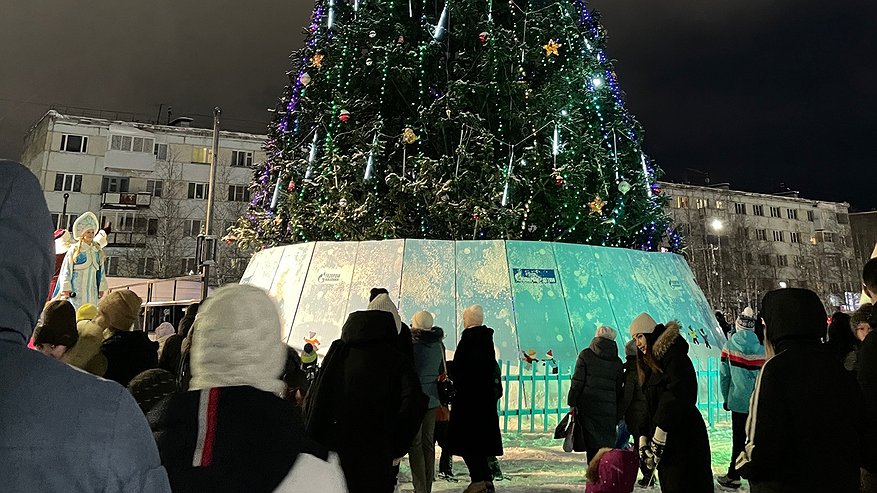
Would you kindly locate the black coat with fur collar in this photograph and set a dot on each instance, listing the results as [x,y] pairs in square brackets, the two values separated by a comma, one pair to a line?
[671,395]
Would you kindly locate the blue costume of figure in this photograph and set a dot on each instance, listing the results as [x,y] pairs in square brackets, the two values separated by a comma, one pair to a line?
[82,272]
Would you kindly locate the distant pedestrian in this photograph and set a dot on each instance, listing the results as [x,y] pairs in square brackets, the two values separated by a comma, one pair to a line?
[799,436]
[429,355]
[842,343]
[676,442]
[742,359]
[594,391]
[128,350]
[474,427]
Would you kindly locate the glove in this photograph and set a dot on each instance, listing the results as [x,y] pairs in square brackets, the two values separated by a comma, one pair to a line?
[725,407]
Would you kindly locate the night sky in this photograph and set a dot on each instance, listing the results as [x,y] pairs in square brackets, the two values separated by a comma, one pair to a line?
[757,93]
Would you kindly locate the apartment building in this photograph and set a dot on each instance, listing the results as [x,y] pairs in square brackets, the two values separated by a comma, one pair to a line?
[149,186]
[742,244]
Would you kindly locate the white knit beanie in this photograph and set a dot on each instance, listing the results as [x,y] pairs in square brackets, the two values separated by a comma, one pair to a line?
[422,320]
[236,341]
[383,303]
[473,316]
[746,320]
[643,324]
[606,332]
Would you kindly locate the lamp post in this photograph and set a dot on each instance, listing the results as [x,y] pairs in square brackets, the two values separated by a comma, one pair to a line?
[717,227]
[64,212]
[206,249]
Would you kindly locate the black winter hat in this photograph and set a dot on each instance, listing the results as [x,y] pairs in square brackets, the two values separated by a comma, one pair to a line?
[793,313]
[151,386]
[58,326]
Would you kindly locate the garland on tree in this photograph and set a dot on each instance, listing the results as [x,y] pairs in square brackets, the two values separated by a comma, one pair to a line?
[455,119]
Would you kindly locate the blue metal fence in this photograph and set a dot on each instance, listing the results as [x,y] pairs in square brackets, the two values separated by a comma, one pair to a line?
[534,395]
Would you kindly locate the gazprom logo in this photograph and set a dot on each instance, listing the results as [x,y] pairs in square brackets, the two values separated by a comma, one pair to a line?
[329,278]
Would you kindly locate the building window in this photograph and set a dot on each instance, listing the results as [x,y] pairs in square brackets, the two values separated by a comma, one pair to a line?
[778,236]
[844,263]
[740,208]
[127,143]
[843,218]
[145,266]
[119,221]
[189,266]
[238,193]
[743,233]
[758,210]
[799,261]
[827,237]
[764,259]
[64,222]
[682,202]
[720,204]
[792,213]
[749,258]
[112,266]
[193,227]
[160,151]
[761,234]
[114,184]
[702,203]
[811,216]
[74,143]
[152,226]
[154,187]
[65,182]
[834,287]
[202,155]
[774,212]
[795,237]
[782,261]
[197,190]
[242,158]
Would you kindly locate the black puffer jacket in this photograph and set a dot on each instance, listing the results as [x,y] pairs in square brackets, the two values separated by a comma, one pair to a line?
[671,395]
[366,403]
[129,354]
[632,404]
[474,426]
[596,383]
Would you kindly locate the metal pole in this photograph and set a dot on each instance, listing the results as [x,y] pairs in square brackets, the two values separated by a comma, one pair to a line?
[64,213]
[208,221]
[721,274]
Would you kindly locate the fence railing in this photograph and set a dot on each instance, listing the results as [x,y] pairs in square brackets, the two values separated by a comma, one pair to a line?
[534,395]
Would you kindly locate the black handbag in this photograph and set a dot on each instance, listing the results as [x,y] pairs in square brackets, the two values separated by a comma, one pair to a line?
[446,390]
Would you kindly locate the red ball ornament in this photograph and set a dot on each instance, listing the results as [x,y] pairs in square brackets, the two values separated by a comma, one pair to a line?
[344,116]
[483,37]
[558,180]
[476,216]
[291,186]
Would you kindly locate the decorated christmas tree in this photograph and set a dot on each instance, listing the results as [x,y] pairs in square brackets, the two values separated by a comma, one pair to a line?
[455,119]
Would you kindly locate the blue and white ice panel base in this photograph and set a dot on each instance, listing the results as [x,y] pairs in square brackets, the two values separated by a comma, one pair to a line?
[538,297]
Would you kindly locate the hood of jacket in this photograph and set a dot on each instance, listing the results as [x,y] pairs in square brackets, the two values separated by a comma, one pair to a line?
[236,341]
[426,336]
[604,349]
[369,327]
[120,343]
[28,259]
[669,341]
[793,313]
[746,342]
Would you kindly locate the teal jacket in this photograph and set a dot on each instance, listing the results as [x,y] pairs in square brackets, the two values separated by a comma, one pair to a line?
[742,359]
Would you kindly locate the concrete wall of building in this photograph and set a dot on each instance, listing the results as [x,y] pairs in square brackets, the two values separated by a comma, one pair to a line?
[140,248]
[742,244]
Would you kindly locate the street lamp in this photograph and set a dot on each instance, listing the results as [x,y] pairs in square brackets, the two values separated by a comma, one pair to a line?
[783,285]
[717,227]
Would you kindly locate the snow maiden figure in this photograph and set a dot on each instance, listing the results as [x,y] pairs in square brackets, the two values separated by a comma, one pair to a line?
[82,278]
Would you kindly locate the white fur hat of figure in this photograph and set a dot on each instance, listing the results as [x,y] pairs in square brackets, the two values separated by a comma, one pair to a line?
[87,221]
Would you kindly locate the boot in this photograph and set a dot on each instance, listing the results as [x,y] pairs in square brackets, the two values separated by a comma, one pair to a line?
[495,471]
[480,487]
[728,484]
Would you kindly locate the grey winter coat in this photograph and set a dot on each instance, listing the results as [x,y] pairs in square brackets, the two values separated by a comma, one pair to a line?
[596,385]
[428,361]
[61,429]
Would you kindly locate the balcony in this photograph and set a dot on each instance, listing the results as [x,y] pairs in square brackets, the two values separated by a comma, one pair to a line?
[126,200]
[126,239]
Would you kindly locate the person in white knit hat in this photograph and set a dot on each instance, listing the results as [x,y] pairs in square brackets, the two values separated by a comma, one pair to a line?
[82,278]
[676,442]
[232,430]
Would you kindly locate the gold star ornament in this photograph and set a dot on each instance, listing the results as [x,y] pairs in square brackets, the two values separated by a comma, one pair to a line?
[552,48]
[317,59]
[596,205]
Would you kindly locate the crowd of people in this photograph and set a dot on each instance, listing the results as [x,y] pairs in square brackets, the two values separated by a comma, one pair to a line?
[219,403]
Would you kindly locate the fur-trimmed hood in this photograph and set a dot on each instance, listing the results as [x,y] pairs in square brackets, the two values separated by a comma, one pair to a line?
[426,336]
[667,339]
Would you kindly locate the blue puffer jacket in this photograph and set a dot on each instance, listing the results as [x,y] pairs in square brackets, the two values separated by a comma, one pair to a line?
[742,359]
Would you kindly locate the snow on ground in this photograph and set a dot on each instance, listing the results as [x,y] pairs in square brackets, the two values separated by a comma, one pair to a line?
[535,463]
